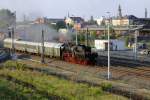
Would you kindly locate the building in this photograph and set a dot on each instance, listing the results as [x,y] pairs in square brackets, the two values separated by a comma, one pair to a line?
[124,21]
[45,20]
[73,20]
[121,25]
[114,45]
[77,26]
[100,21]
[54,21]
[40,21]
[76,22]
[77,19]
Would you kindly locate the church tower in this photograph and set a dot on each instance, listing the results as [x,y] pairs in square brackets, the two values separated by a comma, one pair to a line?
[146,13]
[119,12]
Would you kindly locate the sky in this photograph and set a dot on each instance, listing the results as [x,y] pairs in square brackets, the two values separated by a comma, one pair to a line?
[83,8]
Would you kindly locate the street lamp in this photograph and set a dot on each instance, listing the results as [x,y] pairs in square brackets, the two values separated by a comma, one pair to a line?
[135,47]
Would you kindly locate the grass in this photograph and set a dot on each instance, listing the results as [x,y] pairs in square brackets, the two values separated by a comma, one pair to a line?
[51,85]
[14,65]
[12,91]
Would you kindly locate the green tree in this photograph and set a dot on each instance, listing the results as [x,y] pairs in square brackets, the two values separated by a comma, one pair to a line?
[60,24]
[93,35]
[127,39]
[7,18]
[82,37]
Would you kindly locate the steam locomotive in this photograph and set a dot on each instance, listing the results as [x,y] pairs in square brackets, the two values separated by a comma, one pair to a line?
[78,54]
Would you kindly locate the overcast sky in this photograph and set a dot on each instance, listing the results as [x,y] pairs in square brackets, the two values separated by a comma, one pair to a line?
[83,8]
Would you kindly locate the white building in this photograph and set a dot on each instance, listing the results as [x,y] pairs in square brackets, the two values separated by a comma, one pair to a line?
[100,21]
[73,20]
[121,22]
[114,44]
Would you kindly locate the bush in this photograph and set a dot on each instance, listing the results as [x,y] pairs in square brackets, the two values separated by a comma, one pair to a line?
[106,86]
[14,65]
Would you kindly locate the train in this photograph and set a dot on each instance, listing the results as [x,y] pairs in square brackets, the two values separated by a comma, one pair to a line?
[69,52]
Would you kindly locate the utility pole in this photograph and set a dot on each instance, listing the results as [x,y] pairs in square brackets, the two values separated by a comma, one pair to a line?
[87,40]
[76,33]
[135,47]
[108,51]
[76,38]
[108,73]
[12,43]
[43,49]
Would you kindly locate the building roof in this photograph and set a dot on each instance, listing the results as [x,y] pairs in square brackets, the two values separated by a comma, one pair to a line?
[132,17]
[77,19]
[55,19]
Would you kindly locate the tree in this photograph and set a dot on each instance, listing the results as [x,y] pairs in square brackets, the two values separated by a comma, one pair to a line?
[7,18]
[82,38]
[127,40]
[93,35]
[60,24]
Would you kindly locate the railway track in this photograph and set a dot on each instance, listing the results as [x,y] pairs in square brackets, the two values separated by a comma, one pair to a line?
[140,72]
[129,67]
[126,55]
[123,62]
